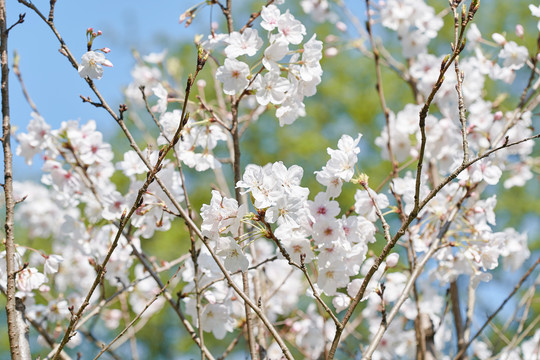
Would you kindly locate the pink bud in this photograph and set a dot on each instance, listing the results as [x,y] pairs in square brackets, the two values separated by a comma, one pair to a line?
[94,34]
[392,260]
[519,31]
[341,26]
[89,30]
[99,32]
[107,63]
[106,50]
[182,17]
[331,38]
[498,115]
[214,25]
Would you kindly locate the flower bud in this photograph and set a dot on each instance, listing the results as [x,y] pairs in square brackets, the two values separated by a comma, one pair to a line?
[392,260]
[498,38]
[182,18]
[341,26]
[519,31]
[331,39]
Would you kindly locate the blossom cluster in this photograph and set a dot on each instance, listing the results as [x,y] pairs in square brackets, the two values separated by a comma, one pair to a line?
[301,67]
[79,196]
[285,244]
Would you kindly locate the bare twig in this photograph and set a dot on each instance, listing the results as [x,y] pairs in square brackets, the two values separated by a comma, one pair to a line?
[380,90]
[492,316]
[17,72]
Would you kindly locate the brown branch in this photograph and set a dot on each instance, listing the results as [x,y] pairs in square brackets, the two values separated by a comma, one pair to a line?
[230,348]
[228,15]
[380,90]
[492,316]
[99,344]
[302,267]
[19,346]
[138,315]
[434,247]
[456,312]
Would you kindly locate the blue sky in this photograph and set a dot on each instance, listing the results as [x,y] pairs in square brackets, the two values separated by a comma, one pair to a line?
[53,84]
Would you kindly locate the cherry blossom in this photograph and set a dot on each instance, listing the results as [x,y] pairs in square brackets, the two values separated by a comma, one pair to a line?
[233,74]
[270,15]
[365,205]
[29,279]
[92,64]
[235,259]
[291,29]
[216,318]
[271,88]
[246,43]
[35,140]
[514,55]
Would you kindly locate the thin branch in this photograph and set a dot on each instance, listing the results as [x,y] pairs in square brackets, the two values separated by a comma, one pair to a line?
[99,344]
[470,311]
[386,227]
[17,72]
[131,333]
[434,247]
[459,86]
[380,90]
[230,348]
[302,267]
[492,316]
[138,315]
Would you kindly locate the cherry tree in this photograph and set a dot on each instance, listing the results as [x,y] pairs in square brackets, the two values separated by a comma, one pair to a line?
[268,265]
